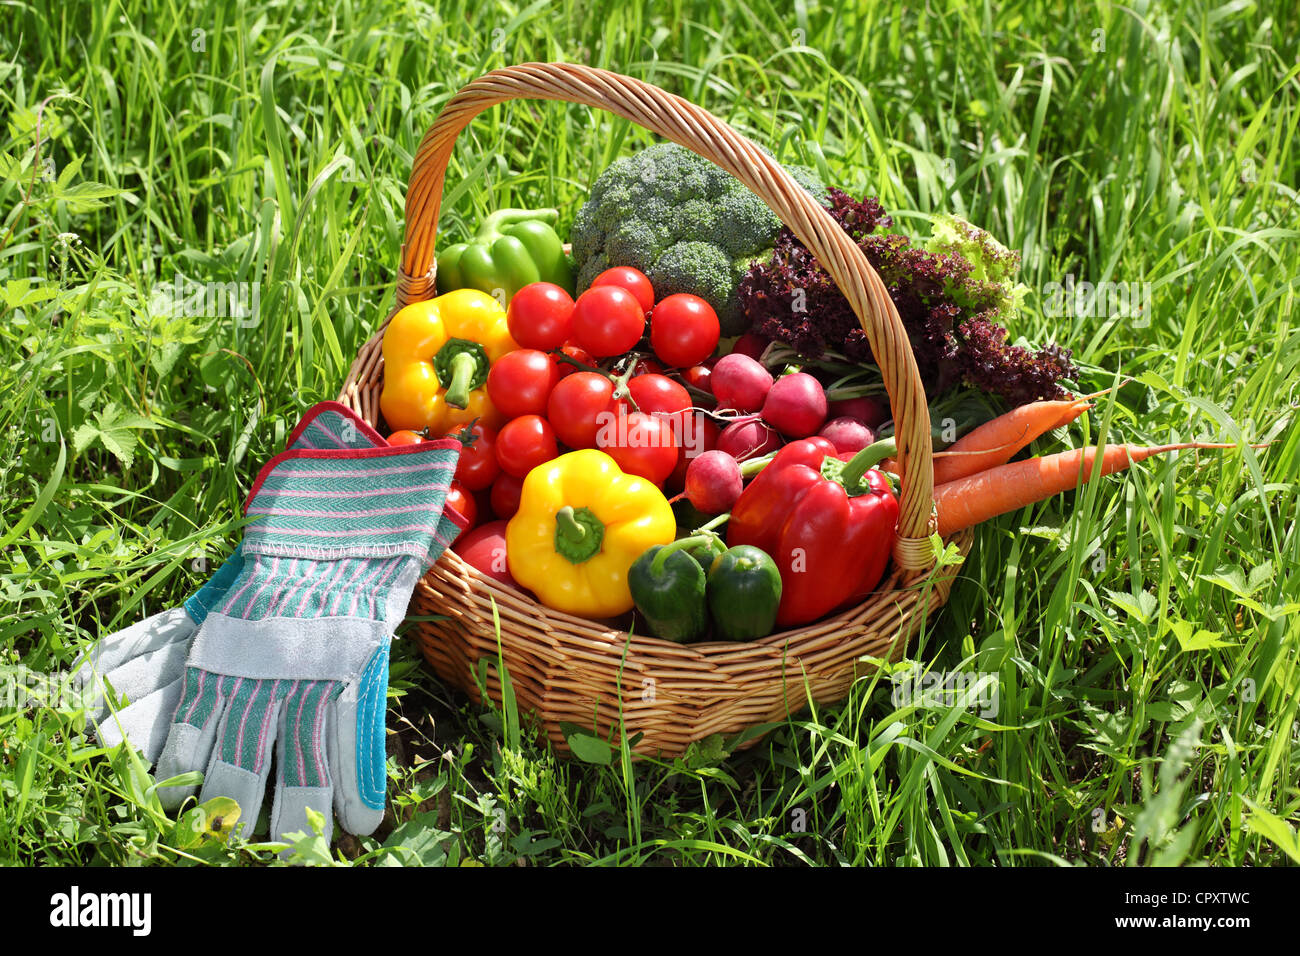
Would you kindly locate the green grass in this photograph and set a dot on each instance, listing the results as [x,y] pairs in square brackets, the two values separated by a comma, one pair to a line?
[1142,631]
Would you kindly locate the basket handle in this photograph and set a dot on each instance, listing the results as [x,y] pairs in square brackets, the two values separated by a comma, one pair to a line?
[682,122]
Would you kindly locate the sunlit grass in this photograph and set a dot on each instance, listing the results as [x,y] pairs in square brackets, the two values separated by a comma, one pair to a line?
[1142,631]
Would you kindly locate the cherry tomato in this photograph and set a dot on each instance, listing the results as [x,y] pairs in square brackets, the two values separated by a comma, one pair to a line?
[642,445]
[485,548]
[684,330]
[608,320]
[405,437]
[520,382]
[477,466]
[462,502]
[751,344]
[645,366]
[540,316]
[631,279]
[524,443]
[578,354]
[697,376]
[576,407]
[658,393]
[505,495]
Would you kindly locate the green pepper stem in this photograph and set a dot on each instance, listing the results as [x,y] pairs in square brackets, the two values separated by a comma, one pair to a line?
[657,565]
[569,524]
[713,522]
[578,533]
[863,461]
[491,227]
[463,367]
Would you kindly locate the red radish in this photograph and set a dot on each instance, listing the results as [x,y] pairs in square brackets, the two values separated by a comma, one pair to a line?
[751,344]
[699,435]
[713,482]
[870,411]
[748,439]
[484,548]
[795,406]
[847,434]
[740,382]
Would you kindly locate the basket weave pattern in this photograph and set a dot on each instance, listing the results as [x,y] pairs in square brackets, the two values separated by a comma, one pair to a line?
[571,670]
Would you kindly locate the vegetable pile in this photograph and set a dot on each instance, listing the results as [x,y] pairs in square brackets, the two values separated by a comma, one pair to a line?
[646,467]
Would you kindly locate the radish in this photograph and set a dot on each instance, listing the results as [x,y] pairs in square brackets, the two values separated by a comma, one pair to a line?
[740,382]
[795,405]
[713,482]
[847,434]
[870,411]
[749,438]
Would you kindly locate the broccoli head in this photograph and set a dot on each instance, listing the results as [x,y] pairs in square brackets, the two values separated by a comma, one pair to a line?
[689,226]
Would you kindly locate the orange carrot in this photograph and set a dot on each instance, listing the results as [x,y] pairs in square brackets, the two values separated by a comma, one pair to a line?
[994,442]
[975,498]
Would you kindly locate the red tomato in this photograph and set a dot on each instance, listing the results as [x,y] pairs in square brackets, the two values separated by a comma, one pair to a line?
[405,437]
[751,344]
[697,376]
[462,502]
[520,382]
[658,393]
[505,495]
[576,406]
[578,354]
[645,366]
[641,444]
[684,330]
[540,316]
[485,549]
[608,320]
[524,443]
[631,279]
[477,467]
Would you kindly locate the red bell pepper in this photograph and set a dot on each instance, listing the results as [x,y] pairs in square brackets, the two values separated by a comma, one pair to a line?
[828,524]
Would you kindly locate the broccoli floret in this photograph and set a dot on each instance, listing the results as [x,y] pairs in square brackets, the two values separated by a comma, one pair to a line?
[682,221]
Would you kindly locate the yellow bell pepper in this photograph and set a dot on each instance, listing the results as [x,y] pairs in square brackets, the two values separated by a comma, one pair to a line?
[580,525]
[436,359]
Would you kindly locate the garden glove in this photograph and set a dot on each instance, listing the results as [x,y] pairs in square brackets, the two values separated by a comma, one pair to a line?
[296,656]
[145,662]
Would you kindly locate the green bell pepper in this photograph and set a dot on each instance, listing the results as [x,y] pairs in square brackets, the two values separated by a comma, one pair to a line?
[668,588]
[513,247]
[744,590]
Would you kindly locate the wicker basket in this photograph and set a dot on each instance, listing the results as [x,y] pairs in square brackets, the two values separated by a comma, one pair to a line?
[571,670]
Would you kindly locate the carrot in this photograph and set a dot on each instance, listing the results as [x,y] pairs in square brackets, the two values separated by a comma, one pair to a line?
[994,442]
[968,501]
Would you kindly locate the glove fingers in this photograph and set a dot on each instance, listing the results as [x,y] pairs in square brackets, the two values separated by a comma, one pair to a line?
[241,752]
[357,754]
[139,677]
[304,778]
[193,731]
[142,637]
[144,723]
